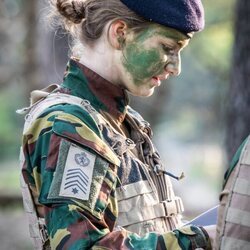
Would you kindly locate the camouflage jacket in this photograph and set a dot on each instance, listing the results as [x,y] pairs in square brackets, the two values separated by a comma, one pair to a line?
[234,161]
[76,172]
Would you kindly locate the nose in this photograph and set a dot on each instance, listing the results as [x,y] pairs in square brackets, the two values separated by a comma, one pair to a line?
[173,66]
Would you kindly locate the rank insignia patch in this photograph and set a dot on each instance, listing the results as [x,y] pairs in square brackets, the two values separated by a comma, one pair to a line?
[82,159]
[77,175]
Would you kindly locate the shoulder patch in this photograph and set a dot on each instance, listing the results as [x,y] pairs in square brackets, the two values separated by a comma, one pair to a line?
[81,176]
[77,175]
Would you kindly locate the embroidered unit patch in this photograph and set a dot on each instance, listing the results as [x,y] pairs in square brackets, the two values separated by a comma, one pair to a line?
[77,175]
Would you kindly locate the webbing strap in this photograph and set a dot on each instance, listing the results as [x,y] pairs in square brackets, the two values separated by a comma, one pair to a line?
[37,226]
[132,190]
[159,210]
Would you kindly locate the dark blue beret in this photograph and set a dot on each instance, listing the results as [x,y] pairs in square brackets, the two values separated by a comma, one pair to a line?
[184,15]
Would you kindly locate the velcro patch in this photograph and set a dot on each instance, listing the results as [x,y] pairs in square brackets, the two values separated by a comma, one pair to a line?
[78,172]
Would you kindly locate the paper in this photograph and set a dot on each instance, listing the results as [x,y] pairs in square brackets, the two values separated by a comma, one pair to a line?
[207,218]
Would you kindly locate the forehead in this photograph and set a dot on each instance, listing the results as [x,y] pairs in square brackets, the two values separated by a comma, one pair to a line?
[157,31]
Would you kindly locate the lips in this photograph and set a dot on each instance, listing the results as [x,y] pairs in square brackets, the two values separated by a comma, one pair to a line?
[156,81]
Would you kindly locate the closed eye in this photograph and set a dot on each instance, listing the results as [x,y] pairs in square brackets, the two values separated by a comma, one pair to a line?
[168,49]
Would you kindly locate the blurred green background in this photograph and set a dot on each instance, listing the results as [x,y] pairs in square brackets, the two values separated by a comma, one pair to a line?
[188,114]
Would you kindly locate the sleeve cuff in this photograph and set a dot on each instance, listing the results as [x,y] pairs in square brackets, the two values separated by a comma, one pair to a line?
[193,237]
[200,239]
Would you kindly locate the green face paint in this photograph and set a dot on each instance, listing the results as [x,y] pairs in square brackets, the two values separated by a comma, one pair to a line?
[144,56]
[142,64]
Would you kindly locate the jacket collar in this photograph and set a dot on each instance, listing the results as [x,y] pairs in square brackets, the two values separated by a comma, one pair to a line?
[104,96]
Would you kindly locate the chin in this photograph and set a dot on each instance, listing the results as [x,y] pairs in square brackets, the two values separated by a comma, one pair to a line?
[142,93]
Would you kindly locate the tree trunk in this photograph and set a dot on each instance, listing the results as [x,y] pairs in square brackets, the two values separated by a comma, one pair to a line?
[238,123]
[30,68]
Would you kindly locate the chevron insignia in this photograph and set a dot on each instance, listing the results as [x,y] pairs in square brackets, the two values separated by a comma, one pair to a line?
[77,175]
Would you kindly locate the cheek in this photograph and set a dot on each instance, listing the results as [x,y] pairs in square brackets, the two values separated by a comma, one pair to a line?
[141,63]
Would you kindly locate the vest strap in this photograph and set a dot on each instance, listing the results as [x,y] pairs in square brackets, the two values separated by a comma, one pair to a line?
[159,210]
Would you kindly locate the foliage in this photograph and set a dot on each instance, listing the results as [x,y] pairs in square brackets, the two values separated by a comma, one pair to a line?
[9,178]
[10,129]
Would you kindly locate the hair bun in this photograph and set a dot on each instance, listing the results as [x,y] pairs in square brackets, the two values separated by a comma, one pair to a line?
[72,10]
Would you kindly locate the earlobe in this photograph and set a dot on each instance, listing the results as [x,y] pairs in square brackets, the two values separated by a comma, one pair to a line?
[117,34]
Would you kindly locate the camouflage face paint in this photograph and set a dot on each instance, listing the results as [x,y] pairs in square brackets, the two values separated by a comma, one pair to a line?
[144,56]
[139,61]
[142,64]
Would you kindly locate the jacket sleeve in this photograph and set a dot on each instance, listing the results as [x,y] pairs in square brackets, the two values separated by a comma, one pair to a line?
[75,175]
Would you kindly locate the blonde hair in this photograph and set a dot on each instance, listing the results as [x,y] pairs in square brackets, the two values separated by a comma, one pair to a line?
[85,19]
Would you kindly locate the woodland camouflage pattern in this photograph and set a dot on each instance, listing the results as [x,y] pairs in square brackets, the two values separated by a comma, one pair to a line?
[74,223]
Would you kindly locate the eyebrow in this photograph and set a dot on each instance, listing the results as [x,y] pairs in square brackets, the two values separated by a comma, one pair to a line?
[183,43]
[176,43]
[180,40]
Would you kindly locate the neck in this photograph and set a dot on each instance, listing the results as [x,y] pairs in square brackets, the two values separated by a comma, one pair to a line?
[99,58]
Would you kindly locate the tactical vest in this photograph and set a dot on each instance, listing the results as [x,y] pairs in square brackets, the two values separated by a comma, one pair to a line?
[233,226]
[145,205]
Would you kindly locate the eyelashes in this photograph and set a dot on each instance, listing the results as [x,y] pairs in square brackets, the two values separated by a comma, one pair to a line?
[168,49]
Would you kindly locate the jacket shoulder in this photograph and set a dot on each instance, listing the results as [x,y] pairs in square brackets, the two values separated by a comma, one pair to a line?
[74,124]
[236,158]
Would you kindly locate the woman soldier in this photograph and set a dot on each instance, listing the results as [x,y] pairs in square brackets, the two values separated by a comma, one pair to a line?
[94,176]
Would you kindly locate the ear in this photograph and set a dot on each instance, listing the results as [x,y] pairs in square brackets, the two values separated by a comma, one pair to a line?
[117,34]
